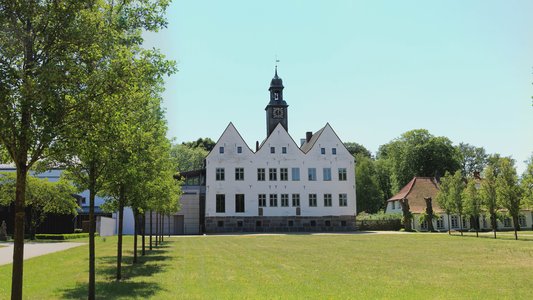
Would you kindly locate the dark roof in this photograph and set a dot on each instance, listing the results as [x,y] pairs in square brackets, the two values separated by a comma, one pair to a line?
[276,81]
[416,190]
[308,145]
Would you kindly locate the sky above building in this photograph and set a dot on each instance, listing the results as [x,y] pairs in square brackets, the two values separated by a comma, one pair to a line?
[372,69]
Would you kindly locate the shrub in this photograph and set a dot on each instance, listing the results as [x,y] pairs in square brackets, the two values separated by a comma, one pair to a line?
[61,237]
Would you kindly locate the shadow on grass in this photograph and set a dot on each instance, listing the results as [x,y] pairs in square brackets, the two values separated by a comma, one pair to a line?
[503,237]
[108,288]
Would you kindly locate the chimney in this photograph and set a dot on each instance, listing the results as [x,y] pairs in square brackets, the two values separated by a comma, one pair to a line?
[308,136]
[256,146]
[302,142]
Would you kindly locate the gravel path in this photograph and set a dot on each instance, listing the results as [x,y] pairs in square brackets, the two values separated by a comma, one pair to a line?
[33,250]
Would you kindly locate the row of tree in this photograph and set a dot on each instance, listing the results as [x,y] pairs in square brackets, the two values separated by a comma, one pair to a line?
[78,91]
[498,194]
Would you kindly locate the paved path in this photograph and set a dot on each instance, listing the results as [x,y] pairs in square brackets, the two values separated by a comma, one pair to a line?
[33,250]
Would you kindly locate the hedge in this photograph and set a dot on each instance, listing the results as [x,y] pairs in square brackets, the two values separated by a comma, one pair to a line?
[66,236]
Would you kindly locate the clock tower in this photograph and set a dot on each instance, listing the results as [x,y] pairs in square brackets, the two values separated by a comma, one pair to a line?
[276,110]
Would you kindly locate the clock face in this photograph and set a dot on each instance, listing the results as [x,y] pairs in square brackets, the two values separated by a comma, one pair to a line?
[277,113]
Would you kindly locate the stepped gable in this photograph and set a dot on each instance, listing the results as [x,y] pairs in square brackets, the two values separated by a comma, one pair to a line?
[416,190]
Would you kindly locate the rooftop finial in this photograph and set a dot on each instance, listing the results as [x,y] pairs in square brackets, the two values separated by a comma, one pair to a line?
[277,61]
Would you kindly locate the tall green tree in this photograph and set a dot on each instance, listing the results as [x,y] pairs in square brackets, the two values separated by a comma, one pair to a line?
[508,193]
[206,144]
[418,153]
[487,192]
[526,183]
[472,159]
[449,196]
[188,158]
[472,203]
[355,149]
[368,193]
[40,46]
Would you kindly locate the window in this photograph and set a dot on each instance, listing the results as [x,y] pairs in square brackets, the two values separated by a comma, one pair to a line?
[284,199]
[313,223]
[221,150]
[258,223]
[334,151]
[343,223]
[322,150]
[261,174]
[522,220]
[424,225]
[291,223]
[327,199]
[312,200]
[239,174]
[327,223]
[239,203]
[343,200]
[507,222]
[239,223]
[484,220]
[220,174]
[221,203]
[273,200]
[276,95]
[393,204]
[295,174]
[239,149]
[464,222]
[342,174]
[272,149]
[440,222]
[455,224]
[220,223]
[284,150]
[283,174]
[296,200]
[311,174]
[262,200]
[272,174]
[326,172]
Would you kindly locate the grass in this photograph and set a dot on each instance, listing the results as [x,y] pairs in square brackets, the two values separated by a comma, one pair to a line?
[292,266]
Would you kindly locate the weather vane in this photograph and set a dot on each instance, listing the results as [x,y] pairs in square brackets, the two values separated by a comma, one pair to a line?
[277,61]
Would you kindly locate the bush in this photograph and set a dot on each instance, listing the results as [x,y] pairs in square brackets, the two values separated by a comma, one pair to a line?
[62,237]
[378,221]
[380,215]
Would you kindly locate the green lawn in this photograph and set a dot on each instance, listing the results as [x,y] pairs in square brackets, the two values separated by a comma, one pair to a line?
[293,266]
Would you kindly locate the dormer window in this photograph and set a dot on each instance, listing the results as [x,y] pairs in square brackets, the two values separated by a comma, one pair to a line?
[284,150]
[322,150]
[272,149]
[239,149]
[334,151]
[221,150]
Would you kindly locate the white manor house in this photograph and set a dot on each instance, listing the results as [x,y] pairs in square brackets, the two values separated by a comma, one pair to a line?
[281,186]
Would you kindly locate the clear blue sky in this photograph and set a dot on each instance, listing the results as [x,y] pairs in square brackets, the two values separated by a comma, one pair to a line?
[372,69]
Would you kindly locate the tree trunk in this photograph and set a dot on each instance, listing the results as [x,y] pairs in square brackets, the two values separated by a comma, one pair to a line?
[151,230]
[143,232]
[461,224]
[156,229]
[162,219]
[120,221]
[429,212]
[449,224]
[18,250]
[92,229]
[516,225]
[135,229]
[493,223]
[168,225]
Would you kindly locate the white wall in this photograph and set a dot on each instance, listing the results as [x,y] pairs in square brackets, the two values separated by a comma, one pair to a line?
[294,157]
[106,226]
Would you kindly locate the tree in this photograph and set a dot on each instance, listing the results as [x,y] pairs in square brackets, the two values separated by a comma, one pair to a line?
[39,72]
[188,158]
[42,197]
[369,195]
[449,196]
[526,183]
[487,192]
[508,193]
[355,149]
[206,144]
[472,159]
[407,216]
[418,153]
[384,178]
[472,203]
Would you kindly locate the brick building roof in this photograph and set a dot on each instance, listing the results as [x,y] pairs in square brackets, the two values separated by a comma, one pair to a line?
[416,190]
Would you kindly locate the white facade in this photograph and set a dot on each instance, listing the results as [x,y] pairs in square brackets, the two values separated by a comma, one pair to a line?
[321,174]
